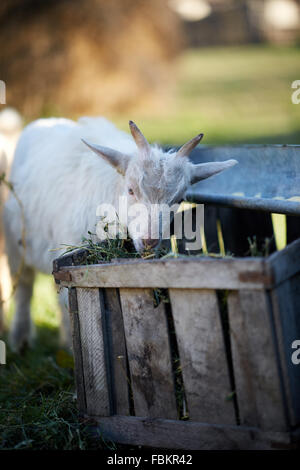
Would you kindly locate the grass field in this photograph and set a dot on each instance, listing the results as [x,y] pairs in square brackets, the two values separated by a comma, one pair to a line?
[233,95]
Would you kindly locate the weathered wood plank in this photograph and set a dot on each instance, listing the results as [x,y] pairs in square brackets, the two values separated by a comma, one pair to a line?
[149,354]
[78,363]
[201,272]
[286,308]
[285,263]
[242,367]
[120,375]
[203,356]
[256,373]
[93,353]
[175,434]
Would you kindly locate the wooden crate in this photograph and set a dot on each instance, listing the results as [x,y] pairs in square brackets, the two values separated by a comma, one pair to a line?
[231,322]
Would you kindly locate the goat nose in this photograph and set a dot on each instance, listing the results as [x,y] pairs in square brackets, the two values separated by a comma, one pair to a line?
[149,243]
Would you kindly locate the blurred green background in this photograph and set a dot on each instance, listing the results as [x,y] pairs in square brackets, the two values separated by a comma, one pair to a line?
[235,95]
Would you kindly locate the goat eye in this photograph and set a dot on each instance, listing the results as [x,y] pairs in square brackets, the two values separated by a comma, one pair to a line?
[130,191]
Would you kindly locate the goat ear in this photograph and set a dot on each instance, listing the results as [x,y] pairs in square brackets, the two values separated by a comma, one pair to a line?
[205,170]
[186,149]
[140,140]
[116,159]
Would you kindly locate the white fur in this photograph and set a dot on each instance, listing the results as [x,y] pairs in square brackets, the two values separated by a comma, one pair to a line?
[60,182]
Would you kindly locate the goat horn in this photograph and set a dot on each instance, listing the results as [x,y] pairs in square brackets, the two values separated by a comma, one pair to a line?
[140,139]
[186,149]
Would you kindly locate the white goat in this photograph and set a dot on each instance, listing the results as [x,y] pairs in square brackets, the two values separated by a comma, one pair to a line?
[61,182]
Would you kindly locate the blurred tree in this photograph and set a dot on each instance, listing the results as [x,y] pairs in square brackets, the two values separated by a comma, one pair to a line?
[93,56]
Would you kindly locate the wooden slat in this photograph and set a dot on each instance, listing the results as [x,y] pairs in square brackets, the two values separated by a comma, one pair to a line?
[258,388]
[286,263]
[175,434]
[286,307]
[120,375]
[148,354]
[203,356]
[242,366]
[200,273]
[93,353]
[78,363]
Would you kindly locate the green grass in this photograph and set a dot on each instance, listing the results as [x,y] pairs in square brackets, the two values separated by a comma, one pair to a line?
[37,406]
[233,95]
